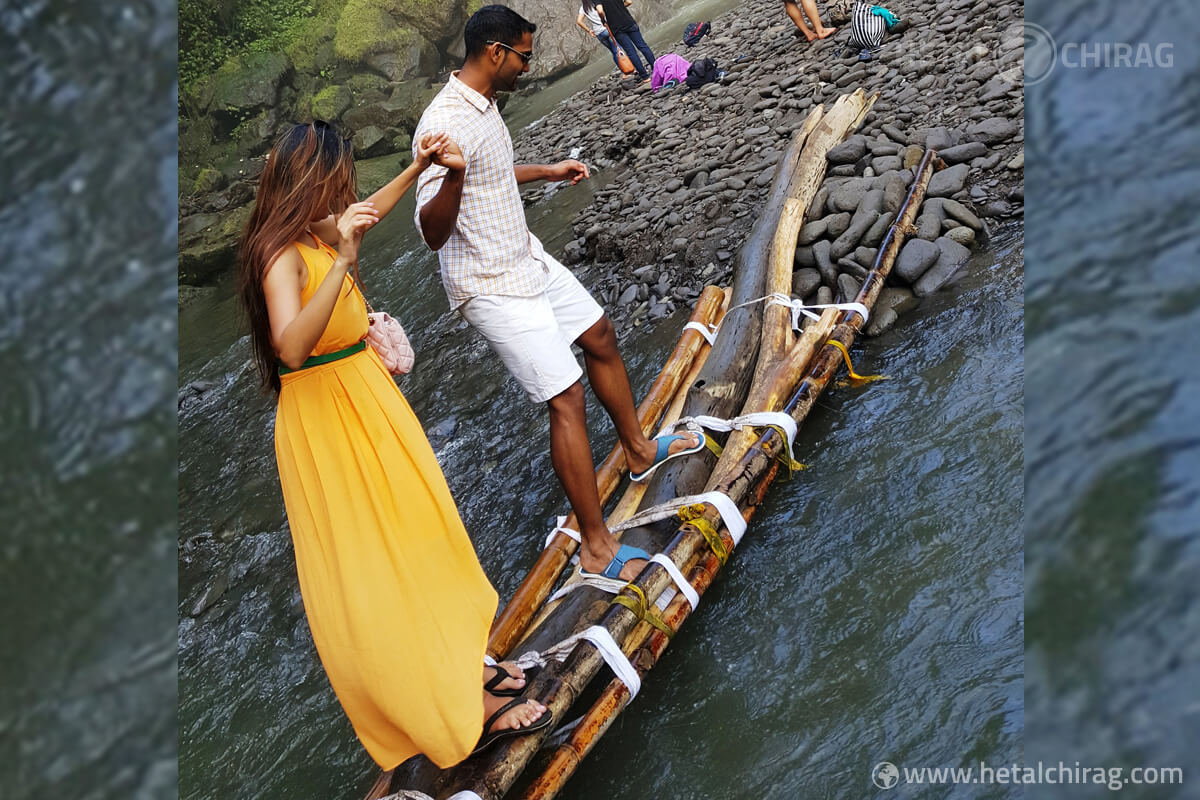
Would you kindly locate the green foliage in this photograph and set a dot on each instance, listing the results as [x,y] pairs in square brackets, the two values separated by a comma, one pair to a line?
[209,33]
[367,26]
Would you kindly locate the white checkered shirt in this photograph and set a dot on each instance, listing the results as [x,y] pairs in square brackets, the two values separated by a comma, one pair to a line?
[491,250]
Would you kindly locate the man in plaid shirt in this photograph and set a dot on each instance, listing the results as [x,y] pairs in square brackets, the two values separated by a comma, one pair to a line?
[527,305]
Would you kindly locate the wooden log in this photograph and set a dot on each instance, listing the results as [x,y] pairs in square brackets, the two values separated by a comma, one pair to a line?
[723,386]
[529,596]
[822,132]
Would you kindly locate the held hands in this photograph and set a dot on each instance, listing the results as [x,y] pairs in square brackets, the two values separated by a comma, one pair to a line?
[351,225]
[437,148]
[569,170]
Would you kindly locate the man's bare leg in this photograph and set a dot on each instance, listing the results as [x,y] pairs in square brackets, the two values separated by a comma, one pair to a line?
[609,380]
[571,455]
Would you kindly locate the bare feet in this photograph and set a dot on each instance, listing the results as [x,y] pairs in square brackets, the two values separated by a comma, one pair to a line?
[644,458]
[595,561]
[520,716]
[825,33]
[516,679]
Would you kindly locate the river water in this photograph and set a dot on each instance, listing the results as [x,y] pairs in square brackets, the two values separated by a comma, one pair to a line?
[1112,451]
[87,400]
[874,611]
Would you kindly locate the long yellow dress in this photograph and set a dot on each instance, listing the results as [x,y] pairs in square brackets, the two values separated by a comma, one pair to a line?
[397,601]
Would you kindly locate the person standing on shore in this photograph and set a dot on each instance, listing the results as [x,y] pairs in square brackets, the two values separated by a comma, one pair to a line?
[378,541]
[590,23]
[527,305]
[615,14]
[818,30]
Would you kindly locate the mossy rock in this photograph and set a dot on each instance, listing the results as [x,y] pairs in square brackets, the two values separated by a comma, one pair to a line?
[197,97]
[331,102]
[370,142]
[361,83]
[209,180]
[402,143]
[207,254]
[436,20]
[255,136]
[311,48]
[373,173]
[366,27]
[247,84]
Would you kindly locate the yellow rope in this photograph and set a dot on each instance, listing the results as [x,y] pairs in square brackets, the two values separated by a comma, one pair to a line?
[713,446]
[792,464]
[694,515]
[850,366]
[636,602]
[631,604]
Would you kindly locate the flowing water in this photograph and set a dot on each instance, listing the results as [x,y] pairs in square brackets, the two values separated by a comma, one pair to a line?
[873,612]
[87,418]
[1112,446]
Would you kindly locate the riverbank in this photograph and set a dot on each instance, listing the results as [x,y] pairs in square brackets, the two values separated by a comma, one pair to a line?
[683,171]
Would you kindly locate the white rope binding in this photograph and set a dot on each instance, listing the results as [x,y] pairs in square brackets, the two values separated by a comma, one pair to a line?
[574,534]
[609,650]
[709,332]
[677,576]
[757,419]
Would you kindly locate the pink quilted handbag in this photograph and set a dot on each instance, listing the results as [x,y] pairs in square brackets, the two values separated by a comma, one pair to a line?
[388,339]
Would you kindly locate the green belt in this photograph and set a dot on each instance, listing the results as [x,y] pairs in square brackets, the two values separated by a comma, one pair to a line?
[325,358]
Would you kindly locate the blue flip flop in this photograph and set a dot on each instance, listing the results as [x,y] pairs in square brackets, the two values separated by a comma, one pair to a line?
[625,554]
[663,455]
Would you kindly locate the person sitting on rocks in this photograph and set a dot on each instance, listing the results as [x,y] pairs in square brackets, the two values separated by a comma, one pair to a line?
[527,305]
[625,28]
[818,30]
[589,22]
[868,25]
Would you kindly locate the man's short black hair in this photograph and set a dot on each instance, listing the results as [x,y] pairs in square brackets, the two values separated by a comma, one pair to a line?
[494,24]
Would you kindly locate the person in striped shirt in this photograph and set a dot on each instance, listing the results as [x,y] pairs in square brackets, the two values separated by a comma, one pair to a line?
[527,305]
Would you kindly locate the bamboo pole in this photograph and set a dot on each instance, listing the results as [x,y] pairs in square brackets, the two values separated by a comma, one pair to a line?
[529,596]
[559,687]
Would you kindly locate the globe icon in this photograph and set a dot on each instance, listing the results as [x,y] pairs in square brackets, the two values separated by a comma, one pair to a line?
[885,775]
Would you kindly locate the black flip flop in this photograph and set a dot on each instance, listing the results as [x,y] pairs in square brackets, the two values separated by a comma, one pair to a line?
[502,675]
[488,739]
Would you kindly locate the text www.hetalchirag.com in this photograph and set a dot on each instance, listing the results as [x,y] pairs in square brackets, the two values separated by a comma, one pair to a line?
[887,775]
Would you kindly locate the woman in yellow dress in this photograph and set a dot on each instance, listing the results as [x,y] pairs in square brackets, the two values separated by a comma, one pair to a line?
[398,604]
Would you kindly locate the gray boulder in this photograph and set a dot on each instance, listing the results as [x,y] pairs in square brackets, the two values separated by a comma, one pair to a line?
[951,260]
[949,181]
[914,258]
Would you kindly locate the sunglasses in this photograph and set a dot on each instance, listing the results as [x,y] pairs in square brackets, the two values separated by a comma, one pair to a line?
[526,57]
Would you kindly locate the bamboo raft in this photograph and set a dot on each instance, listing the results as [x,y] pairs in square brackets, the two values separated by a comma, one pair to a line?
[757,363]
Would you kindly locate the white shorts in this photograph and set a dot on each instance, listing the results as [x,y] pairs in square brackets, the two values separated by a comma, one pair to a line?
[533,335]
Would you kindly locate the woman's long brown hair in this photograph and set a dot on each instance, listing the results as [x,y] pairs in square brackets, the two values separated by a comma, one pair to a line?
[309,175]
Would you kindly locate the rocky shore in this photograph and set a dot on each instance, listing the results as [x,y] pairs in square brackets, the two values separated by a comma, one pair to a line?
[683,171]
[680,173]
